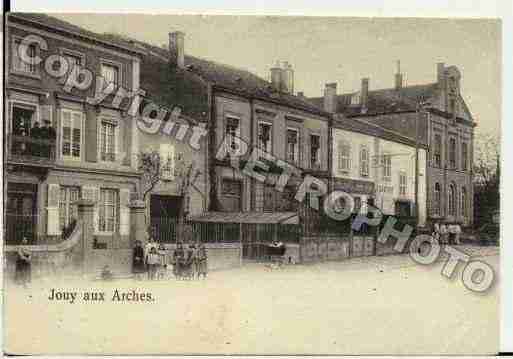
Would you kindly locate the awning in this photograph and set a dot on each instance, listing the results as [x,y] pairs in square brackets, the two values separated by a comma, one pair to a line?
[247,217]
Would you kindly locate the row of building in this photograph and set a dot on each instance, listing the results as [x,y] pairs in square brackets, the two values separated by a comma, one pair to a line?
[406,150]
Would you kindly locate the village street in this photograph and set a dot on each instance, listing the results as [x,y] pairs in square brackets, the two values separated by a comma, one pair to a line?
[374,305]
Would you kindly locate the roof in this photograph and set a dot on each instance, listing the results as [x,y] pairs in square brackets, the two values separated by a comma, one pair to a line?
[248,217]
[222,76]
[58,24]
[383,100]
[371,129]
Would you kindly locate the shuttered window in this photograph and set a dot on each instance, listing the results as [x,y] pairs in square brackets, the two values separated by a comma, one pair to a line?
[292,145]
[110,73]
[68,210]
[344,157]
[18,64]
[403,185]
[108,142]
[71,142]
[109,204]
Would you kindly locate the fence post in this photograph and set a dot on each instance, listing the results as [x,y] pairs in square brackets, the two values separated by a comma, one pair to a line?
[138,230]
[86,220]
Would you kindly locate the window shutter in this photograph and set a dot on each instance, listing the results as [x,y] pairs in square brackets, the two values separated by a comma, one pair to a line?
[53,228]
[93,194]
[46,114]
[124,212]
[91,133]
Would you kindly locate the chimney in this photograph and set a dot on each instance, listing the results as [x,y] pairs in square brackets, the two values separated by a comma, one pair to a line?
[440,73]
[364,93]
[330,97]
[287,78]
[398,77]
[176,49]
[276,75]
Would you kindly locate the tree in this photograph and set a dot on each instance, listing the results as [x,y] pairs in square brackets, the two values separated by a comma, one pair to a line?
[154,170]
[486,178]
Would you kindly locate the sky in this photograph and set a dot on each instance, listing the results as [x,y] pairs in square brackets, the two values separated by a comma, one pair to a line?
[336,49]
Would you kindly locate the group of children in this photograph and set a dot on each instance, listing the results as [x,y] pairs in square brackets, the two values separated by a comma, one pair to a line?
[154,260]
[447,233]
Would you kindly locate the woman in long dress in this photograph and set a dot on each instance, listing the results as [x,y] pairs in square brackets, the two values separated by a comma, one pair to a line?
[138,260]
[23,272]
[202,265]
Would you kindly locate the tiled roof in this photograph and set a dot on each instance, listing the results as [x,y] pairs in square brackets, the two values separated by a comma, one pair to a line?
[231,78]
[248,217]
[383,101]
[58,24]
[371,129]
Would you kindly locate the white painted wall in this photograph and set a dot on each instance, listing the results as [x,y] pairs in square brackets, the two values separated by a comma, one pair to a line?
[403,160]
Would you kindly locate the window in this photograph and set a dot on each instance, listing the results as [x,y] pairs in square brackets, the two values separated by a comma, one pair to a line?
[265,133]
[387,167]
[464,211]
[464,156]
[344,157]
[232,131]
[18,64]
[110,73]
[231,199]
[108,210]
[315,151]
[364,161]
[167,158]
[438,151]
[452,152]
[437,200]
[68,211]
[292,145]
[452,200]
[71,134]
[402,184]
[108,142]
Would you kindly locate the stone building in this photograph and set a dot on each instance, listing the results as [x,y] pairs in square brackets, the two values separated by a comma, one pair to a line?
[434,115]
[234,102]
[377,166]
[82,148]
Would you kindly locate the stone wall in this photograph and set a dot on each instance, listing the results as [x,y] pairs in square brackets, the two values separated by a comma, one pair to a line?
[61,259]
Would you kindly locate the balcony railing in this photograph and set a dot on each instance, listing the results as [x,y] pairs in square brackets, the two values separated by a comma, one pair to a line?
[31,150]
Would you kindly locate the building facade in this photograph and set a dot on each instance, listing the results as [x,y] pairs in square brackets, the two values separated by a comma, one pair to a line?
[59,147]
[377,167]
[231,103]
[434,115]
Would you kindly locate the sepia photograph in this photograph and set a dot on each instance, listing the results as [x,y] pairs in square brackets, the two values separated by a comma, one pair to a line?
[251,185]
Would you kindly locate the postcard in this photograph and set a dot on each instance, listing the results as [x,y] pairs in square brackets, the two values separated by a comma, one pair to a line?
[186,184]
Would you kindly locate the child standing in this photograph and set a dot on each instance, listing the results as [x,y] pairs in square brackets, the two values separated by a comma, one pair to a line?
[152,260]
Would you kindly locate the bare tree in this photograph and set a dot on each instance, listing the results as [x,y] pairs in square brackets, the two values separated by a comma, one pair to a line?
[486,159]
[155,170]
[486,178]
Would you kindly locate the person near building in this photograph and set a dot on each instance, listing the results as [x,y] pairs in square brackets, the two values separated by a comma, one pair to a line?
[436,232]
[152,261]
[23,270]
[202,264]
[162,269]
[444,234]
[178,259]
[35,134]
[138,260]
